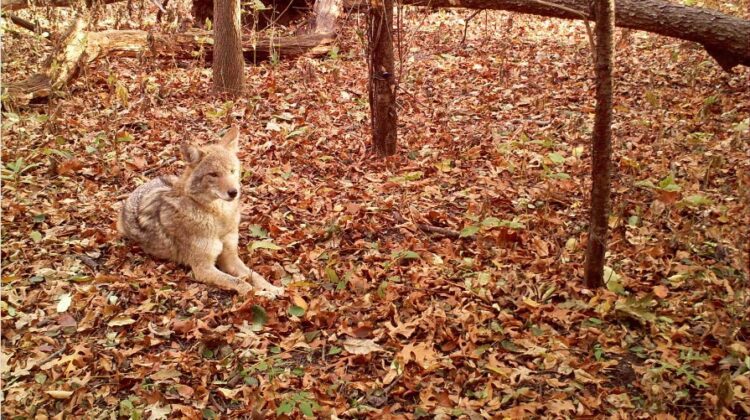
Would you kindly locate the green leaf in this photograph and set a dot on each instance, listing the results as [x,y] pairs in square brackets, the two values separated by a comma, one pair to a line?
[491,222]
[297,311]
[35,236]
[613,281]
[264,245]
[259,317]
[482,349]
[126,407]
[697,200]
[556,158]
[208,414]
[484,278]
[286,407]
[305,407]
[645,184]
[257,231]
[295,133]
[409,176]
[470,230]
[559,175]
[334,350]
[331,274]
[578,151]
[511,346]
[668,184]
[40,378]
[405,255]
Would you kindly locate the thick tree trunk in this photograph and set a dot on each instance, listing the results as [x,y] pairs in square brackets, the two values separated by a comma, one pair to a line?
[725,38]
[601,146]
[381,77]
[228,64]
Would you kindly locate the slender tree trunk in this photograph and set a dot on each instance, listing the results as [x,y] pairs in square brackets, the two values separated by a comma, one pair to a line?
[228,63]
[382,86]
[602,145]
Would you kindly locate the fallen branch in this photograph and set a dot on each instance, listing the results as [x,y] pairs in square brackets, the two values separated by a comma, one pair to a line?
[80,48]
[439,230]
[25,4]
[23,23]
[429,228]
[725,38]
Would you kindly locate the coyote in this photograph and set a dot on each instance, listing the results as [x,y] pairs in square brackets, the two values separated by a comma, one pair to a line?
[194,219]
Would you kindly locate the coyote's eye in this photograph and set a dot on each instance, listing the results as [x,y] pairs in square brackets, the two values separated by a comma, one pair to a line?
[213,174]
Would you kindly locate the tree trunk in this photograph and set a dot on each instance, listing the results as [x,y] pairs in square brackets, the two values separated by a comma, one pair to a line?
[725,38]
[381,78]
[80,48]
[228,63]
[601,146]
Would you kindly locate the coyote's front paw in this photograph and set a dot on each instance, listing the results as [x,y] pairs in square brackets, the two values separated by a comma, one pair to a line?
[260,282]
[268,294]
[242,287]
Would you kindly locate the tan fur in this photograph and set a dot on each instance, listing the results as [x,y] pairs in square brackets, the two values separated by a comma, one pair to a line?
[194,219]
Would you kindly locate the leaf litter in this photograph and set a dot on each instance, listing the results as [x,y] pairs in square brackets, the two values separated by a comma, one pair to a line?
[383,318]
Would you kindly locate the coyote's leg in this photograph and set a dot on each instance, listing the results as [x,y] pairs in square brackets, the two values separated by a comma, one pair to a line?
[204,257]
[230,262]
[207,273]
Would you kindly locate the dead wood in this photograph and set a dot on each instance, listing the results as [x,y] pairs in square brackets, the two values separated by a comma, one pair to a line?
[725,38]
[80,48]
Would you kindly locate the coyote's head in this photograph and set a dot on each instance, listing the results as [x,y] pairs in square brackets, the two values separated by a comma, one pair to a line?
[213,170]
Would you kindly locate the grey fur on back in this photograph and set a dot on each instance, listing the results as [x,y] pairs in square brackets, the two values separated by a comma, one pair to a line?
[142,212]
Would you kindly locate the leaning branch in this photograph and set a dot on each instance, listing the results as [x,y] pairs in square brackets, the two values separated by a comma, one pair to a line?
[725,38]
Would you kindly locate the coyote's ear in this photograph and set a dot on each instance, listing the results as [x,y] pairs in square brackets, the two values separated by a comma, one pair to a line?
[191,154]
[231,139]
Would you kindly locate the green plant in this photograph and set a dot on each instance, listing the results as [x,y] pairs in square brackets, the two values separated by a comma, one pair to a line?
[303,401]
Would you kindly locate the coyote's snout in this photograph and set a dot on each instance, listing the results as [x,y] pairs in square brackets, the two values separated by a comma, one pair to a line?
[194,219]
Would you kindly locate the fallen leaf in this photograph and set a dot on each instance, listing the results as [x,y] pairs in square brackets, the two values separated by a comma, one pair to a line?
[120,321]
[361,346]
[661,291]
[165,374]
[64,303]
[60,395]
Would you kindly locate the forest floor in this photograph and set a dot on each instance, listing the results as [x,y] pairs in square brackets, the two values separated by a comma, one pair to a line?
[382,318]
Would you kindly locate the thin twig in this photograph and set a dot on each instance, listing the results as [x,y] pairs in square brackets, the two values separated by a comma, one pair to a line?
[163,163]
[582,15]
[429,228]
[466,24]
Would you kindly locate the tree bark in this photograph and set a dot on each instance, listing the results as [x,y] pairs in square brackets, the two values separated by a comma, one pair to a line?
[725,38]
[601,146]
[380,72]
[228,64]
